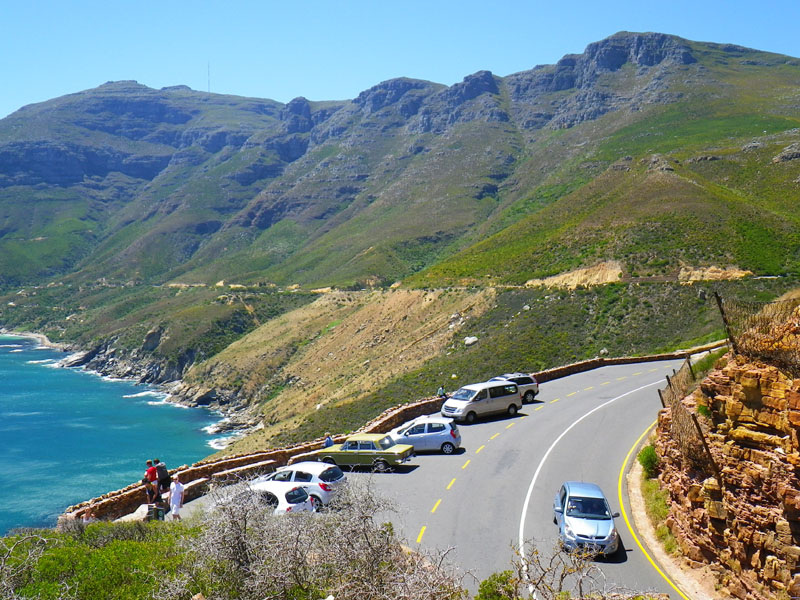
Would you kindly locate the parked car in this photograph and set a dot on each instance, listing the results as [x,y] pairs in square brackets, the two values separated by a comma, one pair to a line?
[320,480]
[527,384]
[584,518]
[429,434]
[376,450]
[478,399]
[283,496]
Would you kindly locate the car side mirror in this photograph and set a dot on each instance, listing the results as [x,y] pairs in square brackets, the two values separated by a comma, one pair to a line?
[615,515]
[558,509]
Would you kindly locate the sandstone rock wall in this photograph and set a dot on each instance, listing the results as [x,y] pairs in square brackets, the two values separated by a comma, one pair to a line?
[746,526]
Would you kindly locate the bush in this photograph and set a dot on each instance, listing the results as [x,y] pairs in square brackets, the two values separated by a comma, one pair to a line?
[498,586]
[649,461]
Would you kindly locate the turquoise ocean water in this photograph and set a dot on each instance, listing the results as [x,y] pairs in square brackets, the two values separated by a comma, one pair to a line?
[67,435]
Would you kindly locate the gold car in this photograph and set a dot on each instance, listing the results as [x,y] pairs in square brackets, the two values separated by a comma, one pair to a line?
[376,450]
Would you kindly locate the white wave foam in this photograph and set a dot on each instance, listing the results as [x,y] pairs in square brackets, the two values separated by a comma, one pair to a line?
[20,414]
[215,427]
[17,351]
[167,402]
[10,345]
[221,443]
[155,393]
[40,362]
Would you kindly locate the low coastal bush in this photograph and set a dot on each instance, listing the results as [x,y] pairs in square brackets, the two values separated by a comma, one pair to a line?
[649,460]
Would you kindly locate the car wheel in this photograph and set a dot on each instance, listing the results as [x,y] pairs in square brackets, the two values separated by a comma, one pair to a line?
[529,396]
[512,410]
[470,418]
[381,466]
[329,460]
[316,503]
[448,448]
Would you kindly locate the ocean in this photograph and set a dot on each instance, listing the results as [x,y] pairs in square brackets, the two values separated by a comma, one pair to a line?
[67,435]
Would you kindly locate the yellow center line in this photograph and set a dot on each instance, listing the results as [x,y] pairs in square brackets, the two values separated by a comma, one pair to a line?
[621,378]
[421,533]
[637,373]
[571,394]
[452,481]
[435,506]
[625,515]
[652,370]
[522,417]
[542,406]
[591,387]
[551,401]
[464,466]
[605,383]
[495,435]
[509,426]
[479,449]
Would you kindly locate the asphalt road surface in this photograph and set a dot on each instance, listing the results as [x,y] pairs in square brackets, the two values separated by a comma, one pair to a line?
[497,492]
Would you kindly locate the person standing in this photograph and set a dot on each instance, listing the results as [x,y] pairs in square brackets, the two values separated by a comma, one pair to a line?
[162,475]
[328,440]
[441,393]
[176,497]
[150,472]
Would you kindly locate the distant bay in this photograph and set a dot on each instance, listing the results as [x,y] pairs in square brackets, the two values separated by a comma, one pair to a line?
[67,435]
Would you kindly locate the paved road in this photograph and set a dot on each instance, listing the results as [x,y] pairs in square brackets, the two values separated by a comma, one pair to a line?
[500,487]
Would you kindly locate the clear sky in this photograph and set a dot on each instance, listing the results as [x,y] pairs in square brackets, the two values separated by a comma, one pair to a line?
[333,50]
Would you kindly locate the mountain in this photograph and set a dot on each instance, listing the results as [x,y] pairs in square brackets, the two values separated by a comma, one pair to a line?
[150,185]
[178,234]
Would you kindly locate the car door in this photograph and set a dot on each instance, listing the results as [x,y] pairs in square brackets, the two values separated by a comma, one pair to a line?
[415,436]
[366,453]
[559,503]
[349,454]
[437,435]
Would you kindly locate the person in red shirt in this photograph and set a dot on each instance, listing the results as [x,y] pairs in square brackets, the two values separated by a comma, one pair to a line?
[150,472]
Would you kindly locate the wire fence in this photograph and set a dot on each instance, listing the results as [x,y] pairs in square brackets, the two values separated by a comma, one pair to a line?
[685,429]
[766,331]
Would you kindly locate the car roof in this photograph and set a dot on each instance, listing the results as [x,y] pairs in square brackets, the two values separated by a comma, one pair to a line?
[310,466]
[372,437]
[510,375]
[484,384]
[582,488]
[276,487]
[427,419]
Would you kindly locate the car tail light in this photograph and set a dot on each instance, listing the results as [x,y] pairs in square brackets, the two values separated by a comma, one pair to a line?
[453,433]
[325,487]
[288,509]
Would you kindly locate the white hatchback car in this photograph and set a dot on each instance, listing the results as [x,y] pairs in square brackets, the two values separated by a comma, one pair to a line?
[284,497]
[319,479]
[429,433]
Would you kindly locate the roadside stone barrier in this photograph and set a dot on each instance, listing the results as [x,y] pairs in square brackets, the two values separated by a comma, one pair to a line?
[125,501]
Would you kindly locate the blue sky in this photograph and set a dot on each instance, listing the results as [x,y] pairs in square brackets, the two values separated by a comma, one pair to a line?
[334,50]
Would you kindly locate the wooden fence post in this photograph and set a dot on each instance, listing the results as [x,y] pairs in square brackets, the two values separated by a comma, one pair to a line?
[717,472]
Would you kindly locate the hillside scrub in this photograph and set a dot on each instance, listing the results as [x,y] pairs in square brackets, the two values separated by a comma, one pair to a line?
[237,550]
[523,330]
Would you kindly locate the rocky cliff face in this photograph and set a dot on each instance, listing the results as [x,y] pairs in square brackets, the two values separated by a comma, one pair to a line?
[747,526]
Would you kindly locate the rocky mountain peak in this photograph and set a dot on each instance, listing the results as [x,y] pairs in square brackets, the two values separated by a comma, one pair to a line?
[641,49]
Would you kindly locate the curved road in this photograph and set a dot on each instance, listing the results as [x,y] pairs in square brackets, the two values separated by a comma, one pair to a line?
[501,485]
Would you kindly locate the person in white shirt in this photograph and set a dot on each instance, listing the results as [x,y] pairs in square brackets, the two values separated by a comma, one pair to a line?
[176,497]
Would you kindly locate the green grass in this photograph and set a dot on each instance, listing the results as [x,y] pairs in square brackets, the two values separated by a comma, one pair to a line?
[656,503]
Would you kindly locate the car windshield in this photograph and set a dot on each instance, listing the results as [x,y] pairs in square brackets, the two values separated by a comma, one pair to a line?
[463,394]
[587,508]
[386,442]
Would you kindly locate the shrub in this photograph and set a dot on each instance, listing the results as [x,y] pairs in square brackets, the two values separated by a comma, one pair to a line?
[649,461]
[498,586]
[703,411]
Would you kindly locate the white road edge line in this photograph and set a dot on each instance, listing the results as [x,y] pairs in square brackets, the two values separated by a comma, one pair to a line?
[550,449]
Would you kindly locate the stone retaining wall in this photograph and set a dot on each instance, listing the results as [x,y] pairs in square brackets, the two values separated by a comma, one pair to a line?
[125,501]
[746,526]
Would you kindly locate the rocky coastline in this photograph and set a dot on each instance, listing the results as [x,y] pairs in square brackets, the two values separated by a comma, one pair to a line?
[236,418]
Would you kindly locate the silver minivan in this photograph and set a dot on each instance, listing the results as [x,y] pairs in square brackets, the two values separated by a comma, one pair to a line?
[479,399]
